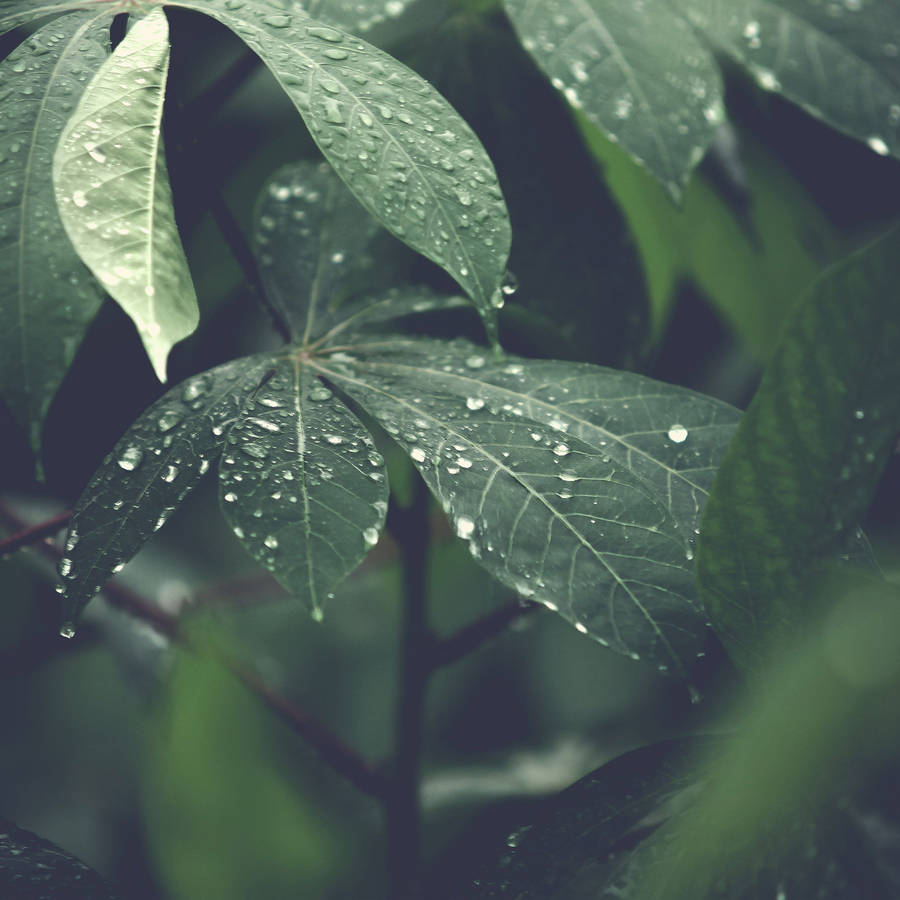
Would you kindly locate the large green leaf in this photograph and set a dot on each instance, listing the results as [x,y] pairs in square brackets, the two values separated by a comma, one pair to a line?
[113,192]
[302,483]
[637,70]
[47,297]
[154,466]
[578,486]
[400,147]
[311,235]
[751,262]
[807,455]
[840,61]
[14,13]
[357,16]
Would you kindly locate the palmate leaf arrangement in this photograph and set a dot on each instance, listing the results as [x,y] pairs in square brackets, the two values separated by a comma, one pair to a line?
[578,486]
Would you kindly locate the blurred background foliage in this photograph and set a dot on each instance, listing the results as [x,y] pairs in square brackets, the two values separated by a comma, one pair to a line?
[156,767]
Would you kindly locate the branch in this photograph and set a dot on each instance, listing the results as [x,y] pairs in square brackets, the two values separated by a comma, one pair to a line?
[30,534]
[477,633]
[338,755]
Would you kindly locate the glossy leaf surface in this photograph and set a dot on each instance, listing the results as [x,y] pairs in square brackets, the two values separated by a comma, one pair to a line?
[637,70]
[839,61]
[577,486]
[302,484]
[398,145]
[807,455]
[113,191]
[156,464]
[47,296]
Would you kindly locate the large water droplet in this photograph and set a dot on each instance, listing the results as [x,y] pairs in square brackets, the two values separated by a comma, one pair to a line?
[271,542]
[130,459]
[474,403]
[465,527]
[370,536]
[677,433]
[168,420]
[561,449]
[67,631]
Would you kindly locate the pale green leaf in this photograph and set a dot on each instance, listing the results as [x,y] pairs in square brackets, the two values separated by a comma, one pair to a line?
[839,60]
[636,70]
[578,486]
[401,148]
[155,465]
[113,191]
[14,13]
[302,483]
[47,296]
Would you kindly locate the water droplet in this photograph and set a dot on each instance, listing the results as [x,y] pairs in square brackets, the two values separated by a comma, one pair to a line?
[677,433]
[418,454]
[475,362]
[561,450]
[257,451]
[196,388]
[581,628]
[859,414]
[325,34]
[317,614]
[370,536]
[393,7]
[67,631]
[265,425]
[318,394]
[170,474]
[767,80]
[79,199]
[465,527]
[474,403]
[510,284]
[568,476]
[464,463]
[230,497]
[65,567]
[168,420]
[878,145]
[335,53]
[95,153]
[278,21]
[271,542]
[130,459]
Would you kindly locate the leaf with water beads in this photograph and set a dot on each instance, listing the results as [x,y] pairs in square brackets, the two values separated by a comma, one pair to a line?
[153,467]
[571,483]
[302,484]
[21,12]
[47,296]
[839,60]
[637,70]
[113,192]
[400,147]
[358,16]
[310,236]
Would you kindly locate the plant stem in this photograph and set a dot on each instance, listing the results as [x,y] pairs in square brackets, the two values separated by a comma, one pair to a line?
[33,533]
[402,803]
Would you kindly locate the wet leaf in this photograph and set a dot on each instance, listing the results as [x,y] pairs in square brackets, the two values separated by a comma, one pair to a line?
[310,236]
[47,296]
[113,192]
[155,465]
[807,455]
[358,16]
[578,486]
[32,868]
[840,61]
[21,12]
[399,146]
[302,484]
[637,70]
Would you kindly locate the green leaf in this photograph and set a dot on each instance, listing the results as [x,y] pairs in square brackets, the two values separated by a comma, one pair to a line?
[43,325]
[399,146]
[155,465]
[839,61]
[357,16]
[751,261]
[807,455]
[33,867]
[578,486]
[637,71]
[310,236]
[302,484]
[22,12]
[113,192]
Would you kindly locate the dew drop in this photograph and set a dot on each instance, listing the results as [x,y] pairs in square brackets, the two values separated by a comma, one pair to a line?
[581,628]
[257,451]
[79,199]
[318,394]
[474,403]
[475,362]
[271,542]
[418,454]
[170,474]
[130,459]
[370,536]
[168,420]
[317,614]
[677,433]
[561,450]
[65,567]
[230,497]
[878,145]
[465,527]
[67,631]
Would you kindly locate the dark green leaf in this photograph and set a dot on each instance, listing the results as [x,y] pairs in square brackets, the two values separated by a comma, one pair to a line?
[113,192]
[807,455]
[34,869]
[155,465]
[311,237]
[840,60]
[399,146]
[302,484]
[14,13]
[637,70]
[578,486]
[47,297]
